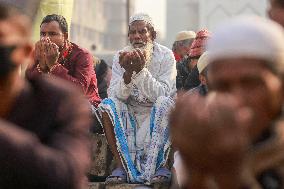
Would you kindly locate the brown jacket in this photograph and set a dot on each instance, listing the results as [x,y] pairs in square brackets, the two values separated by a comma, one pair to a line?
[44,140]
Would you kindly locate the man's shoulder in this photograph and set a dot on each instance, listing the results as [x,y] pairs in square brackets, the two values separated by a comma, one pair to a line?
[80,50]
[161,48]
[52,87]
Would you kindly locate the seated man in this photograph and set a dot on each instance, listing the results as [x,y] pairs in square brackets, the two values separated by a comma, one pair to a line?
[43,138]
[182,44]
[242,117]
[56,55]
[188,75]
[181,49]
[135,117]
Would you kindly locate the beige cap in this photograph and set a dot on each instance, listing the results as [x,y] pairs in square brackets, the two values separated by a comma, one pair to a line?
[202,62]
[183,35]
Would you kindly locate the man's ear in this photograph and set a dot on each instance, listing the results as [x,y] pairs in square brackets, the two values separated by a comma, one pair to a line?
[65,35]
[22,54]
[282,88]
[154,35]
[202,79]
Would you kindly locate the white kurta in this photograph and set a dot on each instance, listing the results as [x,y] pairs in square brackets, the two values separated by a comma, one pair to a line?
[139,113]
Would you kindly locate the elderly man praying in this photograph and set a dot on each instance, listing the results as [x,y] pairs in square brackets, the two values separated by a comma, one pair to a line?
[135,117]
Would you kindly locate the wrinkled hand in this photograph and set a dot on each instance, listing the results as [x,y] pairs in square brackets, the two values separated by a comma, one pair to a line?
[210,132]
[51,52]
[133,61]
[138,60]
[40,57]
[46,53]
[125,61]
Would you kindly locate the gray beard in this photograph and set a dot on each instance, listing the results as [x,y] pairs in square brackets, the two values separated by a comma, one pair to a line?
[148,49]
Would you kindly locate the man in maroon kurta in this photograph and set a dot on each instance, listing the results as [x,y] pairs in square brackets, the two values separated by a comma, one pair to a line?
[56,55]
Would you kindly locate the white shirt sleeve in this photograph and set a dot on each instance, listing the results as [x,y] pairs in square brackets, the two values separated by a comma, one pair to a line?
[163,85]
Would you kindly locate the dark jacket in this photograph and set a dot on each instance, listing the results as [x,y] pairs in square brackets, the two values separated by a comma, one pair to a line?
[101,70]
[200,89]
[186,78]
[44,140]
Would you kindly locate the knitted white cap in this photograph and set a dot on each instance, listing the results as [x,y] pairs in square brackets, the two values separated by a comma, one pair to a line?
[202,62]
[141,16]
[250,37]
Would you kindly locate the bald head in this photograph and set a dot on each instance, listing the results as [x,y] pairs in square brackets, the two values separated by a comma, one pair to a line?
[15,45]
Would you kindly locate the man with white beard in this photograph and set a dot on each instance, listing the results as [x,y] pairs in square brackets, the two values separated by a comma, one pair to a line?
[135,117]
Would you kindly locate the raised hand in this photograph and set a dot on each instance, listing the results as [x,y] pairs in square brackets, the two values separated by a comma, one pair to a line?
[51,53]
[125,61]
[40,56]
[138,60]
[211,132]
[133,61]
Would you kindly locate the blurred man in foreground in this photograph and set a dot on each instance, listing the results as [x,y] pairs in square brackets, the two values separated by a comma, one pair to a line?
[235,137]
[276,11]
[43,138]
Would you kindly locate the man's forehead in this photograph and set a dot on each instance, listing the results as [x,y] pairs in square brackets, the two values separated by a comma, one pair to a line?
[141,17]
[138,24]
[53,25]
[241,65]
[11,33]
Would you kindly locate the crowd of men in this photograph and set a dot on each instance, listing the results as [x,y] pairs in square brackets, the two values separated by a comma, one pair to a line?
[216,98]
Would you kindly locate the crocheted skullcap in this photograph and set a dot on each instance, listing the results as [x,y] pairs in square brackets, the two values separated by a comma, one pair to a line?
[142,17]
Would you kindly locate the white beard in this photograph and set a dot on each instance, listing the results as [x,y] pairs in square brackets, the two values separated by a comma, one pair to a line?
[148,49]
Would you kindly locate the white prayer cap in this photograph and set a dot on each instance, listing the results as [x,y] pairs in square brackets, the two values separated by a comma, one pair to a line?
[250,37]
[142,17]
[202,62]
[183,35]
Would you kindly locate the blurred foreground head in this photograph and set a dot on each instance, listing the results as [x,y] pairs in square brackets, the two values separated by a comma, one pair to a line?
[15,46]
[213,140]
[247,61]
[27,7]
[276,11]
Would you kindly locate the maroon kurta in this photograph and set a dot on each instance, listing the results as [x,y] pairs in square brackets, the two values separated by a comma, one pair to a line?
[78,67]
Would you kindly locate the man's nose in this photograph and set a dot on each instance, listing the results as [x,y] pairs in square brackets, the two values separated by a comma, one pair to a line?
[136,35]
[45,37]
[239,93]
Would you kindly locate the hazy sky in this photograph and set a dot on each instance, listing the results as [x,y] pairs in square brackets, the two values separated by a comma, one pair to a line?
[156,9]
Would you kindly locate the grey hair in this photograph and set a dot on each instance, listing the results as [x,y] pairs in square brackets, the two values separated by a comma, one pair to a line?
[185,42]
